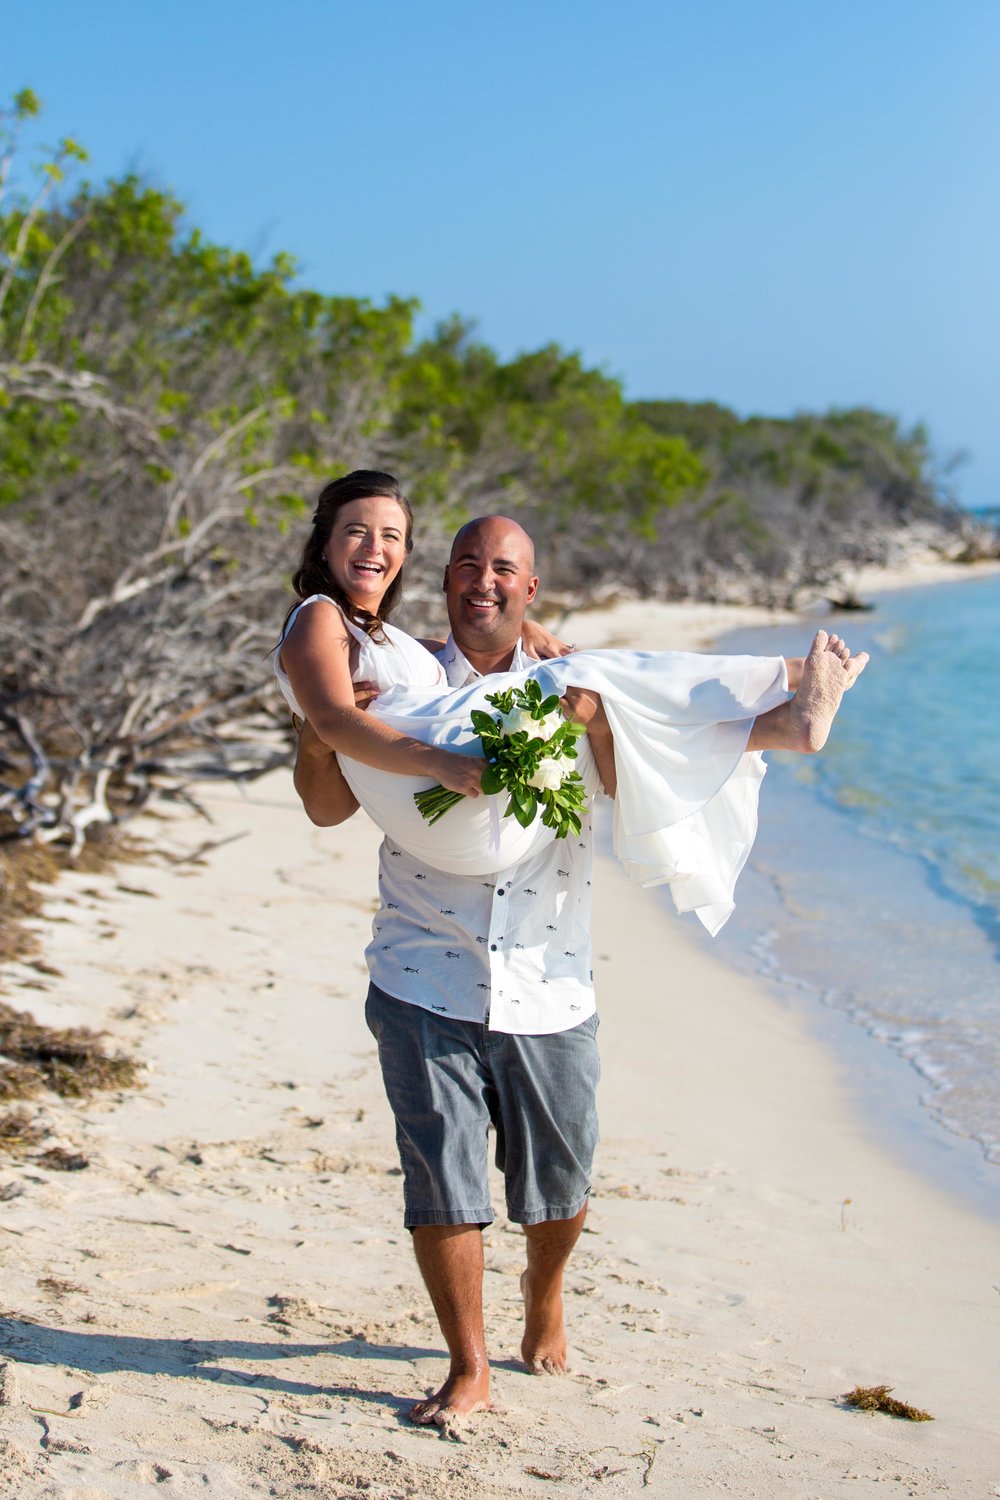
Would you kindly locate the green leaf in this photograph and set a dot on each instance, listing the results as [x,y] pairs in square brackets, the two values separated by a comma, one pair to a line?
[492,781]
[522,804]
[26,104]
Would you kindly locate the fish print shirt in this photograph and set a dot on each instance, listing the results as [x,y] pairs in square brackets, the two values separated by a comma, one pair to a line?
[511,951]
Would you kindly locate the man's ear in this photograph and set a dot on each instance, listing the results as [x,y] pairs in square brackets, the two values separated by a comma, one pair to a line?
[444,581]
[532,589]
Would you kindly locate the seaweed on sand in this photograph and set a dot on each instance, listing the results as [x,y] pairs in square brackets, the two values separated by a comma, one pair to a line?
[19,1132]
[71,1060]
[23,867]
[877,1398]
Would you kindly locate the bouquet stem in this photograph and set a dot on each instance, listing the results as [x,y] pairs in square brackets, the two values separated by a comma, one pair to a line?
[436,801]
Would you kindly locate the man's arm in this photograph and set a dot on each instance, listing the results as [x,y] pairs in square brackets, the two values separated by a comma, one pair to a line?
[588,709]
[319,781]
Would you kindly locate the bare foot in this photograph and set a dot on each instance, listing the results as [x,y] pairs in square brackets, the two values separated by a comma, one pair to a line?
[543,1347]
[460,1396]
[827,673]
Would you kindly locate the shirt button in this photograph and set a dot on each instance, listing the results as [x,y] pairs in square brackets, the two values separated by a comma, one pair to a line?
[499,890]
[493,947]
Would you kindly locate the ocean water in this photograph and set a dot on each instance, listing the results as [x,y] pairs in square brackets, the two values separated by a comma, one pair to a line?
[873,892]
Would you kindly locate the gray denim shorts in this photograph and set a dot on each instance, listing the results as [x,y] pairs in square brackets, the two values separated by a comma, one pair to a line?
[447,1081]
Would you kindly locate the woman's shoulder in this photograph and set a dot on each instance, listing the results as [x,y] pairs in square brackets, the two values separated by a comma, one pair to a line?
[333,616]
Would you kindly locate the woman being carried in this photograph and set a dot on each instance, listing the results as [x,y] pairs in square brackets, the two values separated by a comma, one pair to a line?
[686,808]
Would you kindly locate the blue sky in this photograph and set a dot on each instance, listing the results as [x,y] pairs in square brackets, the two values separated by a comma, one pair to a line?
[780,206]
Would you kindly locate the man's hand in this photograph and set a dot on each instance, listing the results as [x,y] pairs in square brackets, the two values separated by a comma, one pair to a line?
[588,709]
[585,708]
[365,694]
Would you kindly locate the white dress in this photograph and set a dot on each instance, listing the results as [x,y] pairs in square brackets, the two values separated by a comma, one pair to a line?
[686,805]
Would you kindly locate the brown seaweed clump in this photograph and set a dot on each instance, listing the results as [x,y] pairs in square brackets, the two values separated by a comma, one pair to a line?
[18,1132]
[23,868]
[71,1061]
[58,1159]
[877,1398]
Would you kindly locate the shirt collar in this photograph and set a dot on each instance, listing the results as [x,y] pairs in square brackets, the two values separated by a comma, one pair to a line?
[460,671]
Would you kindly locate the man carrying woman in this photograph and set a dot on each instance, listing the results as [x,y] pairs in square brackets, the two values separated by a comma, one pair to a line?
[481,996]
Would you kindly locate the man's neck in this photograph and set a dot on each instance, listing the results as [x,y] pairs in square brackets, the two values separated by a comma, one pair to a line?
[485,662]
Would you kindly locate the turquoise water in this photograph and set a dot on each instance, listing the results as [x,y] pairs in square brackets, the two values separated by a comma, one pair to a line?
[875,881]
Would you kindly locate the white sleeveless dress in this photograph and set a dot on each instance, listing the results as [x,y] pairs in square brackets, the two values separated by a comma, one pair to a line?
[686,805]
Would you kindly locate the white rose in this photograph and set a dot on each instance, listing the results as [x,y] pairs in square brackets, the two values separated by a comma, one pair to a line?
[549,776]
[517,719]
[546,728]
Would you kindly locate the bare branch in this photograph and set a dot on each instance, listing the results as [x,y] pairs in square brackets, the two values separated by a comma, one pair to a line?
[21,243]
[210,452]
[45,276]
[40,381]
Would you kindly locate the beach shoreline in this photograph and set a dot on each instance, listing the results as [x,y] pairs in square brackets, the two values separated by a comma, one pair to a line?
[693,625]
[225,1300]
[892,1093]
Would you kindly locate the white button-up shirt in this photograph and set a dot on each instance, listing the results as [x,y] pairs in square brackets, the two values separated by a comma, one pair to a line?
[510,950]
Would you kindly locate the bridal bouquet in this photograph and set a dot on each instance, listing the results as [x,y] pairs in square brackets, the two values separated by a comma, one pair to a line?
[529,746]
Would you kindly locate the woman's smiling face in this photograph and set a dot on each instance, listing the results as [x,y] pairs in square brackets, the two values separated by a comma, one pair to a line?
[367,548]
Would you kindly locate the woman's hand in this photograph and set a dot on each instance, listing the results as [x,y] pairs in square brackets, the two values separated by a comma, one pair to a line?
[541,643]
[458,773]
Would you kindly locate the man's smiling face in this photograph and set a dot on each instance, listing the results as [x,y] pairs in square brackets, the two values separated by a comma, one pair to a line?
[489,583]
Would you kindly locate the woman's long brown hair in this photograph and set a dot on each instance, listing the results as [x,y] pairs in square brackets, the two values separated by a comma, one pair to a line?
[313,576]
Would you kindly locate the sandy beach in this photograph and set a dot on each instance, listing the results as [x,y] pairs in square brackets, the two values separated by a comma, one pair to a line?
[224,1301]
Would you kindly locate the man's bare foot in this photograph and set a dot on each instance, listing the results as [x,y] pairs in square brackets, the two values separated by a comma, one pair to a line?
[827,673]
[543,1347]
[460,1396]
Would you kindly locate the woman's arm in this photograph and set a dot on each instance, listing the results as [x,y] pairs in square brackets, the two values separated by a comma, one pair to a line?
[588,709]
[316,657]
[541,643]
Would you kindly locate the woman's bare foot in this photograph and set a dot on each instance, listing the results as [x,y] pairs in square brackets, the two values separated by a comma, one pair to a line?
[460,1396]
[827,673]
[543,1347]
[803,723]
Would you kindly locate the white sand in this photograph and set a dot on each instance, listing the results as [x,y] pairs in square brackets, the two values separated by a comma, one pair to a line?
[224,1302]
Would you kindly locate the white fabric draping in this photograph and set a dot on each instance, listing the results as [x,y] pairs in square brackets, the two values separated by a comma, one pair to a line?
[686,806]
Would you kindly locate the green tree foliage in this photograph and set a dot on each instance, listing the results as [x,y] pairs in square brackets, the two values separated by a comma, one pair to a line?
[168,409]
[789,502]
